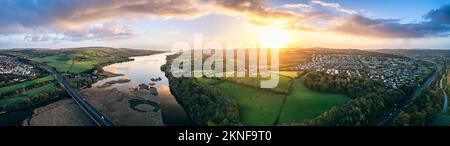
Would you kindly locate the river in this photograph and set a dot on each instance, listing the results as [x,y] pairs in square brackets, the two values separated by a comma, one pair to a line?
[141,70]
[138,71]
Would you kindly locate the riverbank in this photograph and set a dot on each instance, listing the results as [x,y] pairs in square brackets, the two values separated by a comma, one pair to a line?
[117,105]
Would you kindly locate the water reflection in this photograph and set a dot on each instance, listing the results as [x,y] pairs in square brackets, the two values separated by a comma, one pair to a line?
[140,71]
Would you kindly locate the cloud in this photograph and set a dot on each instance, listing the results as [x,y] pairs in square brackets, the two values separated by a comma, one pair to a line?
[75,17]
[296,6]
[97,19]
[255,11]
[441,15]
[336,6]
[437,25]
[100,31]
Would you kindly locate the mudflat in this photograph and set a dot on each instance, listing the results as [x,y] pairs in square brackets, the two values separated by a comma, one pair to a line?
[64,112]
[121,106]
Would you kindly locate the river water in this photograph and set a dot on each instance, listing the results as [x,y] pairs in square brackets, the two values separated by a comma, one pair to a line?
[141,70]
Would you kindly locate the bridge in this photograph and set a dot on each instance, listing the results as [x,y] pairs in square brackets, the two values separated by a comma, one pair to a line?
[96,116]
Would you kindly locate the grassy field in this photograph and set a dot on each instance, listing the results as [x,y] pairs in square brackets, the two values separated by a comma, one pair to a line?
[304,103]
[283,83]
[74,63]
[19,99]
[262,107]
[257,107]
[57,61]
[14,87]
[208,81]
[290,74]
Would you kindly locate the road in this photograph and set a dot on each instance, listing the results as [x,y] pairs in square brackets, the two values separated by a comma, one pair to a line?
[96,116]
[396,111]
[445,106]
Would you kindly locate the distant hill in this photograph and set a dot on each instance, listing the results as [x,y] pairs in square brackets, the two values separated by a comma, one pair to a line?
[92,51]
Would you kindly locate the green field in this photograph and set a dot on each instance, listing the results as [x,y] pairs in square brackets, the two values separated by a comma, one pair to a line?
[257,107]
[208,81]
[304,103]
[283,83]
[290,74]
[57,61]
[14,87]
[20,98]
[75,63]
[262,107]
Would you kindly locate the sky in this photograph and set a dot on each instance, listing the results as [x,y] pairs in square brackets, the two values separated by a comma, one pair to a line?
[159,24]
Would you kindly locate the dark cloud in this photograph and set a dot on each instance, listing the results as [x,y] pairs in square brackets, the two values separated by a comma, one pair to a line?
[437,25]
[75,17]
[91,19]
[441,15]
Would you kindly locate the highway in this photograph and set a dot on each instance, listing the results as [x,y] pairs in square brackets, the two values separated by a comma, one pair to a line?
[397,110]
[96,116]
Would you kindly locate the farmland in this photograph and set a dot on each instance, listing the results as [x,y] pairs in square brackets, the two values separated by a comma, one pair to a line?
[267,107]
[14,87]
[256,107]
[304,103]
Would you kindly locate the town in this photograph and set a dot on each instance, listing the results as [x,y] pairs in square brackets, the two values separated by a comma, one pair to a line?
[13,71]
[394,71]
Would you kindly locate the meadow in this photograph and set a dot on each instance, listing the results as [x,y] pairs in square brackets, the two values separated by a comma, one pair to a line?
[284,83]
[25,84]
[257,107]
[20,99]
[265,107]
[76,62]
[304,103]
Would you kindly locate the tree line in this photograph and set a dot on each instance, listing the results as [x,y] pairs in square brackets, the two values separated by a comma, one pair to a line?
[204,104]
[422,110]
[370,99]
[33,100]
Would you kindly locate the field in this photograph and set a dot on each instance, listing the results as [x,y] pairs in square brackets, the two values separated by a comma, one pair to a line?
[68,63]
[208,81]
[76,62]
[290,74]
[20,98]
[57,61]
[304,103]
[284,83]
[264,107]
[14,87]
[257,107]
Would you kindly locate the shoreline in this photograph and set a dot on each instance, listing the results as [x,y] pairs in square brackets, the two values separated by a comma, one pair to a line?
[108,74]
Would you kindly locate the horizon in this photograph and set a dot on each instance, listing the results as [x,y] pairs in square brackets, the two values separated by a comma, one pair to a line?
[167,50]
[157,25]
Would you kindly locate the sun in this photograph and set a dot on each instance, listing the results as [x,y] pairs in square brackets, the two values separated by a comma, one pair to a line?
[273,37]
